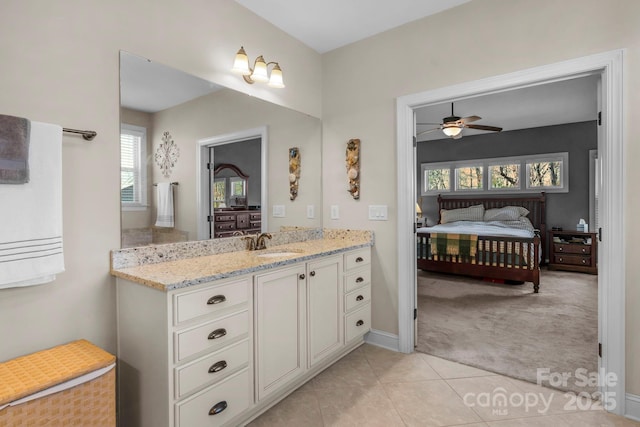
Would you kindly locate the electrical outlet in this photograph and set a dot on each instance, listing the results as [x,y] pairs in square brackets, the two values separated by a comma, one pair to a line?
[335,212]
[311,212]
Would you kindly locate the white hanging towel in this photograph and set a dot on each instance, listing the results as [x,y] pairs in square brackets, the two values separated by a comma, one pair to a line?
[31,215]
[165,216]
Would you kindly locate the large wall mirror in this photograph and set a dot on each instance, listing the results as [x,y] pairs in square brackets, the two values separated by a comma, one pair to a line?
[177,129]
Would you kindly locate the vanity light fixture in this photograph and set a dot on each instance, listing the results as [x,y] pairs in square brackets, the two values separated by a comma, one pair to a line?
[260,70]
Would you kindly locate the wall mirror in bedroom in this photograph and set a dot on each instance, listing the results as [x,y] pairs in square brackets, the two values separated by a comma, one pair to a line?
[177,128]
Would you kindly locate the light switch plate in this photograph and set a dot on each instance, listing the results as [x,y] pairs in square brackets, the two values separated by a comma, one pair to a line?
[311,211]
[335,212]
[378,213]
[278,211]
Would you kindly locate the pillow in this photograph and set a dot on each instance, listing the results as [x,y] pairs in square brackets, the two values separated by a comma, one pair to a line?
[472,213]
[507,213]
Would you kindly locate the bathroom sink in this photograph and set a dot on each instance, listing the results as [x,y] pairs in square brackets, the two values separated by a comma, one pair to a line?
[276,254]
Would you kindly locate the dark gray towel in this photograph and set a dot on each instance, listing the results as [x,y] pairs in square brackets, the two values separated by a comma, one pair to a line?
[14,149]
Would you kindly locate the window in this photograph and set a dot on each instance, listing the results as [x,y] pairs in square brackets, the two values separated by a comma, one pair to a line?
[469,178]
[522,174]
[437,179]
[133,169]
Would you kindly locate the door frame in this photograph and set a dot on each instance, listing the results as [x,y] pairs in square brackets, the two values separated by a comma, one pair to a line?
[611,277]
[202,180]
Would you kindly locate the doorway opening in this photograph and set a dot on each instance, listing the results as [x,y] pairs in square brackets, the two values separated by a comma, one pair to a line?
[611,279]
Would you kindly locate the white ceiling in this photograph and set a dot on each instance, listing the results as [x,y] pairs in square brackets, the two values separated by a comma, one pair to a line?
[568,101]
[329,24]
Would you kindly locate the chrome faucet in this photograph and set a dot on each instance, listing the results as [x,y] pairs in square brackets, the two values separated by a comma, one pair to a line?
[251,243]
[260,244]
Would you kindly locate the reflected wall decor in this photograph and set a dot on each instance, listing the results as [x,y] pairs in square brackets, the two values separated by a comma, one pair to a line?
[294,172]
[167,154]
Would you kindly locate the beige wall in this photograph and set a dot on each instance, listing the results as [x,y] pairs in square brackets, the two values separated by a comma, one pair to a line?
[60,65]
[476,40]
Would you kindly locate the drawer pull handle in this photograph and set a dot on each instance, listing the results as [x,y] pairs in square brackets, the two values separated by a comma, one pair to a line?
[560,249]
[216,299]
[359,298]
[302,276]
[560,259]
[218,407]
[218,333]
[313,273]
[584,261]
[359,280]
[584,250]
[218,366]
[359,259]
[360,323]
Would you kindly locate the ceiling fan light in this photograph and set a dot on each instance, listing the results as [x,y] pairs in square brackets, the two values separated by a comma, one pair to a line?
[260,70]
[241,63]
[452,131]
[276,77]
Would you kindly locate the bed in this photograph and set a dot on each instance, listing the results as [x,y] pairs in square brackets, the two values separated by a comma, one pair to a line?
[494,249]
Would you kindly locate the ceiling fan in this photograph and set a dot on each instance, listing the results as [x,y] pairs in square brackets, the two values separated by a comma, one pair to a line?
[452,126]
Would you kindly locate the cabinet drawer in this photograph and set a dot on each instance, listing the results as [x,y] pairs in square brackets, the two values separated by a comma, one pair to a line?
[357,323]
[232,394]
[242,221]
[225,218]
[572,249]
[357,259]
[225,225]
[255,216]
[190,305]
[357,298]
[210,335]
[211,368]
[357,279]
[572,259]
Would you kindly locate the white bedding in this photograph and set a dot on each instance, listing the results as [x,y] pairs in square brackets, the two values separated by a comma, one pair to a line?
[521,228]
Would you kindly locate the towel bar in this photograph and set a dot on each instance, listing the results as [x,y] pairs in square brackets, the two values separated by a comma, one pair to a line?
[86,134]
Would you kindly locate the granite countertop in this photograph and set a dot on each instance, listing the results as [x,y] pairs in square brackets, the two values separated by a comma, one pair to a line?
[182,273]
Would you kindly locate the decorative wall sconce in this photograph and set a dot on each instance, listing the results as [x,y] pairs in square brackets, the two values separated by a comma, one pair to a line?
[294,172]
[167,154]
[259,72]
[353,167]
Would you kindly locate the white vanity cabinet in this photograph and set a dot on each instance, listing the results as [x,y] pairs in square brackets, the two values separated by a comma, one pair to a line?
[184,356]
[221,353]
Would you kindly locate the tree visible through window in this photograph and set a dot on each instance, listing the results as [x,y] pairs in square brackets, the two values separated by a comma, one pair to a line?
[469,178]
[504,176]
[545,174]
[437,179]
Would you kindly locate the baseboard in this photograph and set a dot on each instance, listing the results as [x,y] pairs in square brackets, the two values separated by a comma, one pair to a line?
[632,406]
[382,339]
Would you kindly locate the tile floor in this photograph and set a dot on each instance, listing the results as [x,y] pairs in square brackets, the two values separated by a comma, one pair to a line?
[373,387]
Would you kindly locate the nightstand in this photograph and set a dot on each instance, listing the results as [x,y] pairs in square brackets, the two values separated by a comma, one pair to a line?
[573,251]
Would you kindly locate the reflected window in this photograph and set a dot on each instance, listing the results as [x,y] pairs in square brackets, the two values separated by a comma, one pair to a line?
[133,172]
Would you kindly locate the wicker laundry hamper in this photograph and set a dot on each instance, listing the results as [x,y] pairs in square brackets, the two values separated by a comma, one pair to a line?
[68,385]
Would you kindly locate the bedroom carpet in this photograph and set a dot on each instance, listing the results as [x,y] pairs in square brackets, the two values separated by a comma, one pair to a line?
[508,329]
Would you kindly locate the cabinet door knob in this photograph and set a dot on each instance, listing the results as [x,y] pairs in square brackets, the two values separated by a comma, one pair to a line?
[359,298]
[560,249]
[359,280]
[218,366]
[584,261]
[360,323]
[218,333]
[359,259]
[218,407]
[313,273]
[216,299]
[302,276]
[560,259]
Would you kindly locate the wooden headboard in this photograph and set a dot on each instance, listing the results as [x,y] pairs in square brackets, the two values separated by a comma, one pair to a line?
[536,205]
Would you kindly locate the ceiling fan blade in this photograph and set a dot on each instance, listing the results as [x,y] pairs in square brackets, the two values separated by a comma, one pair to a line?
[428,124]
[483,127]
[427,131]
[469,119]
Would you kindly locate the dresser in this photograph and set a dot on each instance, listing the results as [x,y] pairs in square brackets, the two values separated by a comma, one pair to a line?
[227,223]
[573,251]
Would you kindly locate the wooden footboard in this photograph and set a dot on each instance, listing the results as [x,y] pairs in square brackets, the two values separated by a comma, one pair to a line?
[497,257]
